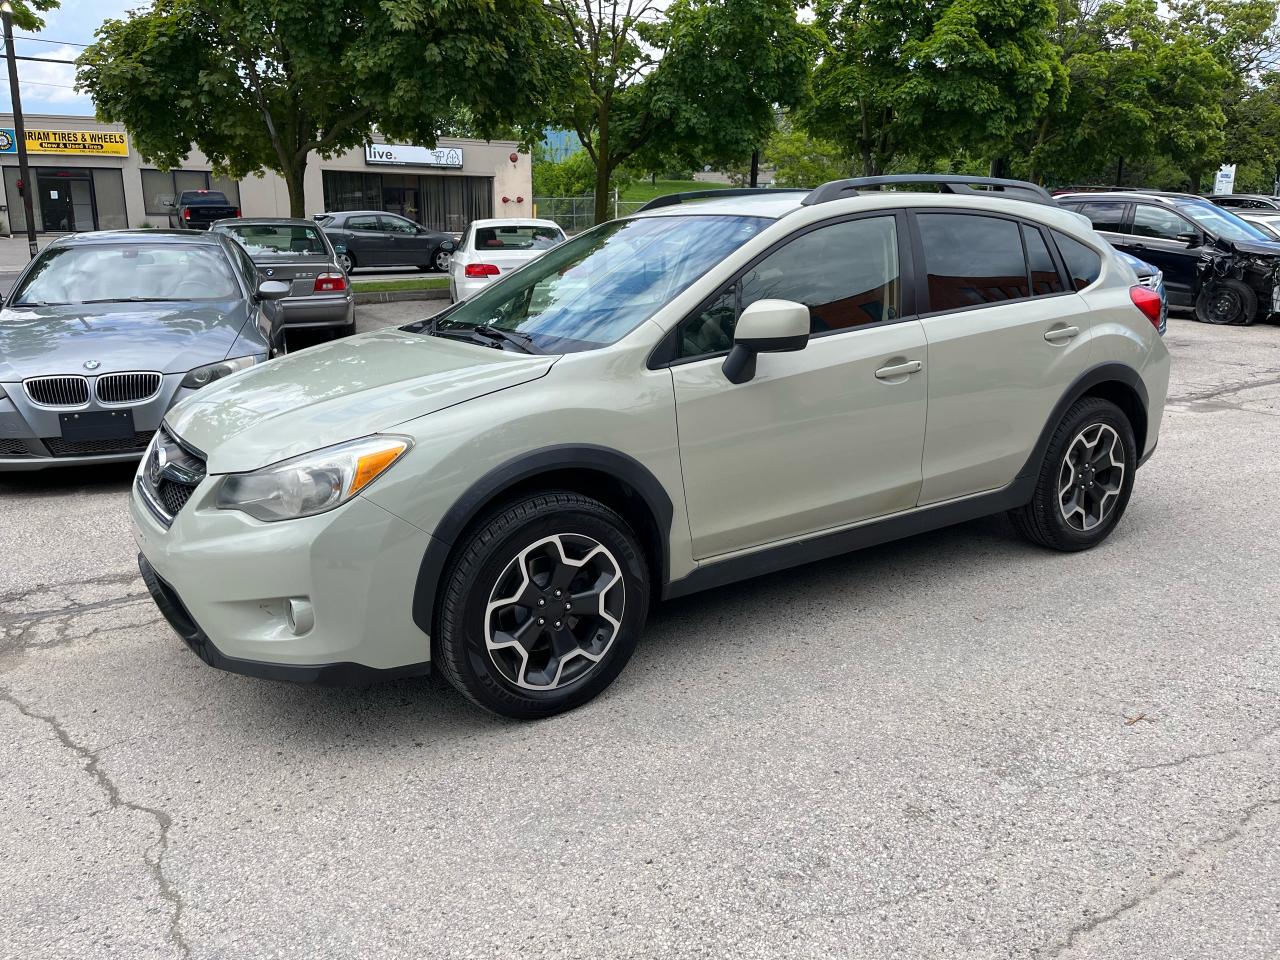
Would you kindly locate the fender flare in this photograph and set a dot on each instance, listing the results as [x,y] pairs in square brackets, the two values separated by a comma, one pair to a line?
[516,470]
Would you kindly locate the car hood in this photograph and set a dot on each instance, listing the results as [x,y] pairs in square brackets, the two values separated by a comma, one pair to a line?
[340,391]
[169,337]
[1257,248]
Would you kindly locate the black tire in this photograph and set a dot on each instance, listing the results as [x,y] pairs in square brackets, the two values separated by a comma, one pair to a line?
[1227,302]
[439,265]
[1044,520]
[499,557]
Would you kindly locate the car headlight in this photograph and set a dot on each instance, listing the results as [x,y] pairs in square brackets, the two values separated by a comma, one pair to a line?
[203,376]
[313,482]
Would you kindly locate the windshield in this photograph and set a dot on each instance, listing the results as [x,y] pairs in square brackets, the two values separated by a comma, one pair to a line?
[1222,222]
[103,273]
[601,285]
[517,237]
[277,239]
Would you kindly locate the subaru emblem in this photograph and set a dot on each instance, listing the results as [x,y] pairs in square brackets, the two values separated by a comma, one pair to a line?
[92,364]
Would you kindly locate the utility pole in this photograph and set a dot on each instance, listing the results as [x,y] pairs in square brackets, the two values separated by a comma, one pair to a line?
[755,167]
[19,128]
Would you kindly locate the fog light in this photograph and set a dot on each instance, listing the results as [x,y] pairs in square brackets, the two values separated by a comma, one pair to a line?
[299,613]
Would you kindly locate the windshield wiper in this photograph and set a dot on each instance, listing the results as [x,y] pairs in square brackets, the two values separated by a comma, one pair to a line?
[521,341]
[485,335]
[130,300]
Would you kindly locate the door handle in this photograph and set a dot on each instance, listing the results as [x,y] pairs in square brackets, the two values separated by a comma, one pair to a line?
[1062,334]
[899,370]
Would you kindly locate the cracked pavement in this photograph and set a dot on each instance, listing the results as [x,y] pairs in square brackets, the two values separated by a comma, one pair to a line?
[954,746]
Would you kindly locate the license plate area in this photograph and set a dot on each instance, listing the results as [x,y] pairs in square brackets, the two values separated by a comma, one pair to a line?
[96,425]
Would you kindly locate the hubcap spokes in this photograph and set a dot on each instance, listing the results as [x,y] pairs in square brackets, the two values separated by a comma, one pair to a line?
[554,612]
[1091,476]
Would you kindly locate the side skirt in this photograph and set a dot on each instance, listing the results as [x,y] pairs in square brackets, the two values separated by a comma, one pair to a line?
[822,546]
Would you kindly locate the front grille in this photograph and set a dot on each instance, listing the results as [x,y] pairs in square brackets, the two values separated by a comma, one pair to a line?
[127,387]
[170,475]
[58,391]
[13,448]
[87,448]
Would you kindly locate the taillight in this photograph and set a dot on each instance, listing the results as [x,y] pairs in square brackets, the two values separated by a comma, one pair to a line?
[330,283]
[186,213]
[1148,301]
[481,270]
[237,211]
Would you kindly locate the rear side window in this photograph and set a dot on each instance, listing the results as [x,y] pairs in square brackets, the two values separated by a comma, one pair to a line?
[1083,263]
[1044,272]
[1104,214]
[971,260]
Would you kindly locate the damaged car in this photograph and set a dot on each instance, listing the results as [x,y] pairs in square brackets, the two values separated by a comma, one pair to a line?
[1212,260]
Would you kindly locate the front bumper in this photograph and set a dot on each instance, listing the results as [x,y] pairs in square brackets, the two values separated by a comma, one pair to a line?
[223,581]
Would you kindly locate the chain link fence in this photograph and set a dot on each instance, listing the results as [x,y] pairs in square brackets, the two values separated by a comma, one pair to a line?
[575,214]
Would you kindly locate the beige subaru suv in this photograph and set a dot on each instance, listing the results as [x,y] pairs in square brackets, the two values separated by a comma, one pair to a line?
[713,389]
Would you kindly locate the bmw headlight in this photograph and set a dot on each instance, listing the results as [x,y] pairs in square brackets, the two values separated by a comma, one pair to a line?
[313,482]
[203,376]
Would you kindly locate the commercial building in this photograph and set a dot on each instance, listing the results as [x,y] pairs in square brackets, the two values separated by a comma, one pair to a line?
[88,176]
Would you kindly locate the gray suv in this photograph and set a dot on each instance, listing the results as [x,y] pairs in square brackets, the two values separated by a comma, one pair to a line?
[710,390]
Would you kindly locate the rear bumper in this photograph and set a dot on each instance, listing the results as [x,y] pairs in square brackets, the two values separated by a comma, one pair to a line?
[327,674]
[318,311]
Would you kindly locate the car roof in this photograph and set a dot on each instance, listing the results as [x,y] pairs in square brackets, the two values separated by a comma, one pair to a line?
[138,236]
[1242,196]
[1156,195]
[514,222]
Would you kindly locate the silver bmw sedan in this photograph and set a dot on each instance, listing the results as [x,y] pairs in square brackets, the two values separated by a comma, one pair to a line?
[103,332]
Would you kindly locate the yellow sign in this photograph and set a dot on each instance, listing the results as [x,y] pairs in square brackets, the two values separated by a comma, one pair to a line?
[79,142]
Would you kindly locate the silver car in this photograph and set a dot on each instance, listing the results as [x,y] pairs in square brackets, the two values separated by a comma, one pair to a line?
[298,253]
[103,332]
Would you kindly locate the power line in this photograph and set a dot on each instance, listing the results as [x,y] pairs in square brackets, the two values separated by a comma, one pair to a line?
[65,43]
[70,63]
[41,83]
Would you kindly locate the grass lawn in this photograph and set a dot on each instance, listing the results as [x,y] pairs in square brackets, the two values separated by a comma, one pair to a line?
[409,283]
[644,190]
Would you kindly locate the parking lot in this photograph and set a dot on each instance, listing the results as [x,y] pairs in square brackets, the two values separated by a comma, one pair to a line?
[953,746]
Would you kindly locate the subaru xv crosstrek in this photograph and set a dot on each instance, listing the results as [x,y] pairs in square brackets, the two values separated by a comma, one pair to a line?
[710,390]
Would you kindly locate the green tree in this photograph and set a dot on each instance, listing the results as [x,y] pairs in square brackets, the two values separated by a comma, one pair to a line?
[26,13]
[644,87]
[927,78]
[264,83]
[800,160]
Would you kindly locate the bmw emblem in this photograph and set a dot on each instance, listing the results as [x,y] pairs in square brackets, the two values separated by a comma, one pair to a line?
[92,364]
[270,272]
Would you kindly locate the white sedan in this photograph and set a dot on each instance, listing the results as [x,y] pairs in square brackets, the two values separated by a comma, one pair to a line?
[493,248]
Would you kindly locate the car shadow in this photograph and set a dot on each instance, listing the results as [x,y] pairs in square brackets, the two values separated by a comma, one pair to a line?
[60,481]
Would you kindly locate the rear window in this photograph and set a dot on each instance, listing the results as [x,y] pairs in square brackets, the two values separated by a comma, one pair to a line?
[517,237]
[278,239]
[102,273]
[1083,262]
[204,198]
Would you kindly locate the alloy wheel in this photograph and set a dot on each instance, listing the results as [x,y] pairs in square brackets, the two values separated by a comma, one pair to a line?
[442,260]
[554,612]
[1091,477]
[344,261]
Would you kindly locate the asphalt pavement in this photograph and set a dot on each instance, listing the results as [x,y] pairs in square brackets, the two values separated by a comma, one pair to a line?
[955,746]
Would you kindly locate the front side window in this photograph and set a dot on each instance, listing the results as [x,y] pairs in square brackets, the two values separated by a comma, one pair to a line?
[596,288]
[111,273]
[971,260]
[846,274]
[1222,223]
[1157,222]
[398,225]
[1083,263]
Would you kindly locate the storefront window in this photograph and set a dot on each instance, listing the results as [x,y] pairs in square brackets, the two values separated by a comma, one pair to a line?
[441,203]
[108,194]
[159,186]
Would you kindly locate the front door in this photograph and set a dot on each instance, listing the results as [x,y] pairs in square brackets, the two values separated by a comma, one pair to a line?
[66,203]
[1006,338]
[1154,239]
[824,437]
[408,245]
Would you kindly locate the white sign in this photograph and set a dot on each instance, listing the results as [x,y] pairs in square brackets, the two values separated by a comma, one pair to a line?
[402,155]
[1225,181]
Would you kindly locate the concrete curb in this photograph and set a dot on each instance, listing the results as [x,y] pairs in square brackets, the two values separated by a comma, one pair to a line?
[391,296]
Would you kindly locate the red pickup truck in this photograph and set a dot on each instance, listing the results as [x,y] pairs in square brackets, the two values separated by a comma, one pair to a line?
[196,209]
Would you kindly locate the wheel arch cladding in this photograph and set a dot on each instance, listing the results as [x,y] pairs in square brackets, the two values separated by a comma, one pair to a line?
[615,479]
[1116,382]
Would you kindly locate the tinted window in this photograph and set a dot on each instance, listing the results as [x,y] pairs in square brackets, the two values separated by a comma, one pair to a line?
[1044,272]
[1083,263]
[1150,221]
[971,260]
[1104,215]
[599,286]
[517,237]
[846,274]
[362,223]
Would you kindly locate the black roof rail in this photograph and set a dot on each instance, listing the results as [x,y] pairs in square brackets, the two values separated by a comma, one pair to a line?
[671,199]
[945,182]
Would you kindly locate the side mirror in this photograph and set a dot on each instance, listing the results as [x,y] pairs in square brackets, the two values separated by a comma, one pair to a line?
[767,326]
[1191,238]
[273,290]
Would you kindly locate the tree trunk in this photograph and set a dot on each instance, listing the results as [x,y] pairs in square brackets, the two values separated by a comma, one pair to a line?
[999,166]
[602,168]
[1120,172]
[293,180]
[868,162]
[755,168]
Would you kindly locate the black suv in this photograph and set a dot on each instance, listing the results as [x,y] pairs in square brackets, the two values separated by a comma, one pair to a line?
[1211,259]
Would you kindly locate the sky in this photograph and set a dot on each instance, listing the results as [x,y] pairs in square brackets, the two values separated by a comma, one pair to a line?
[48,87]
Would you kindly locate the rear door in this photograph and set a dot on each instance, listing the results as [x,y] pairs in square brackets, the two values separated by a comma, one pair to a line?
[1109,217]
[1156,229]
[1006,337]
[369,243]
[820,438]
